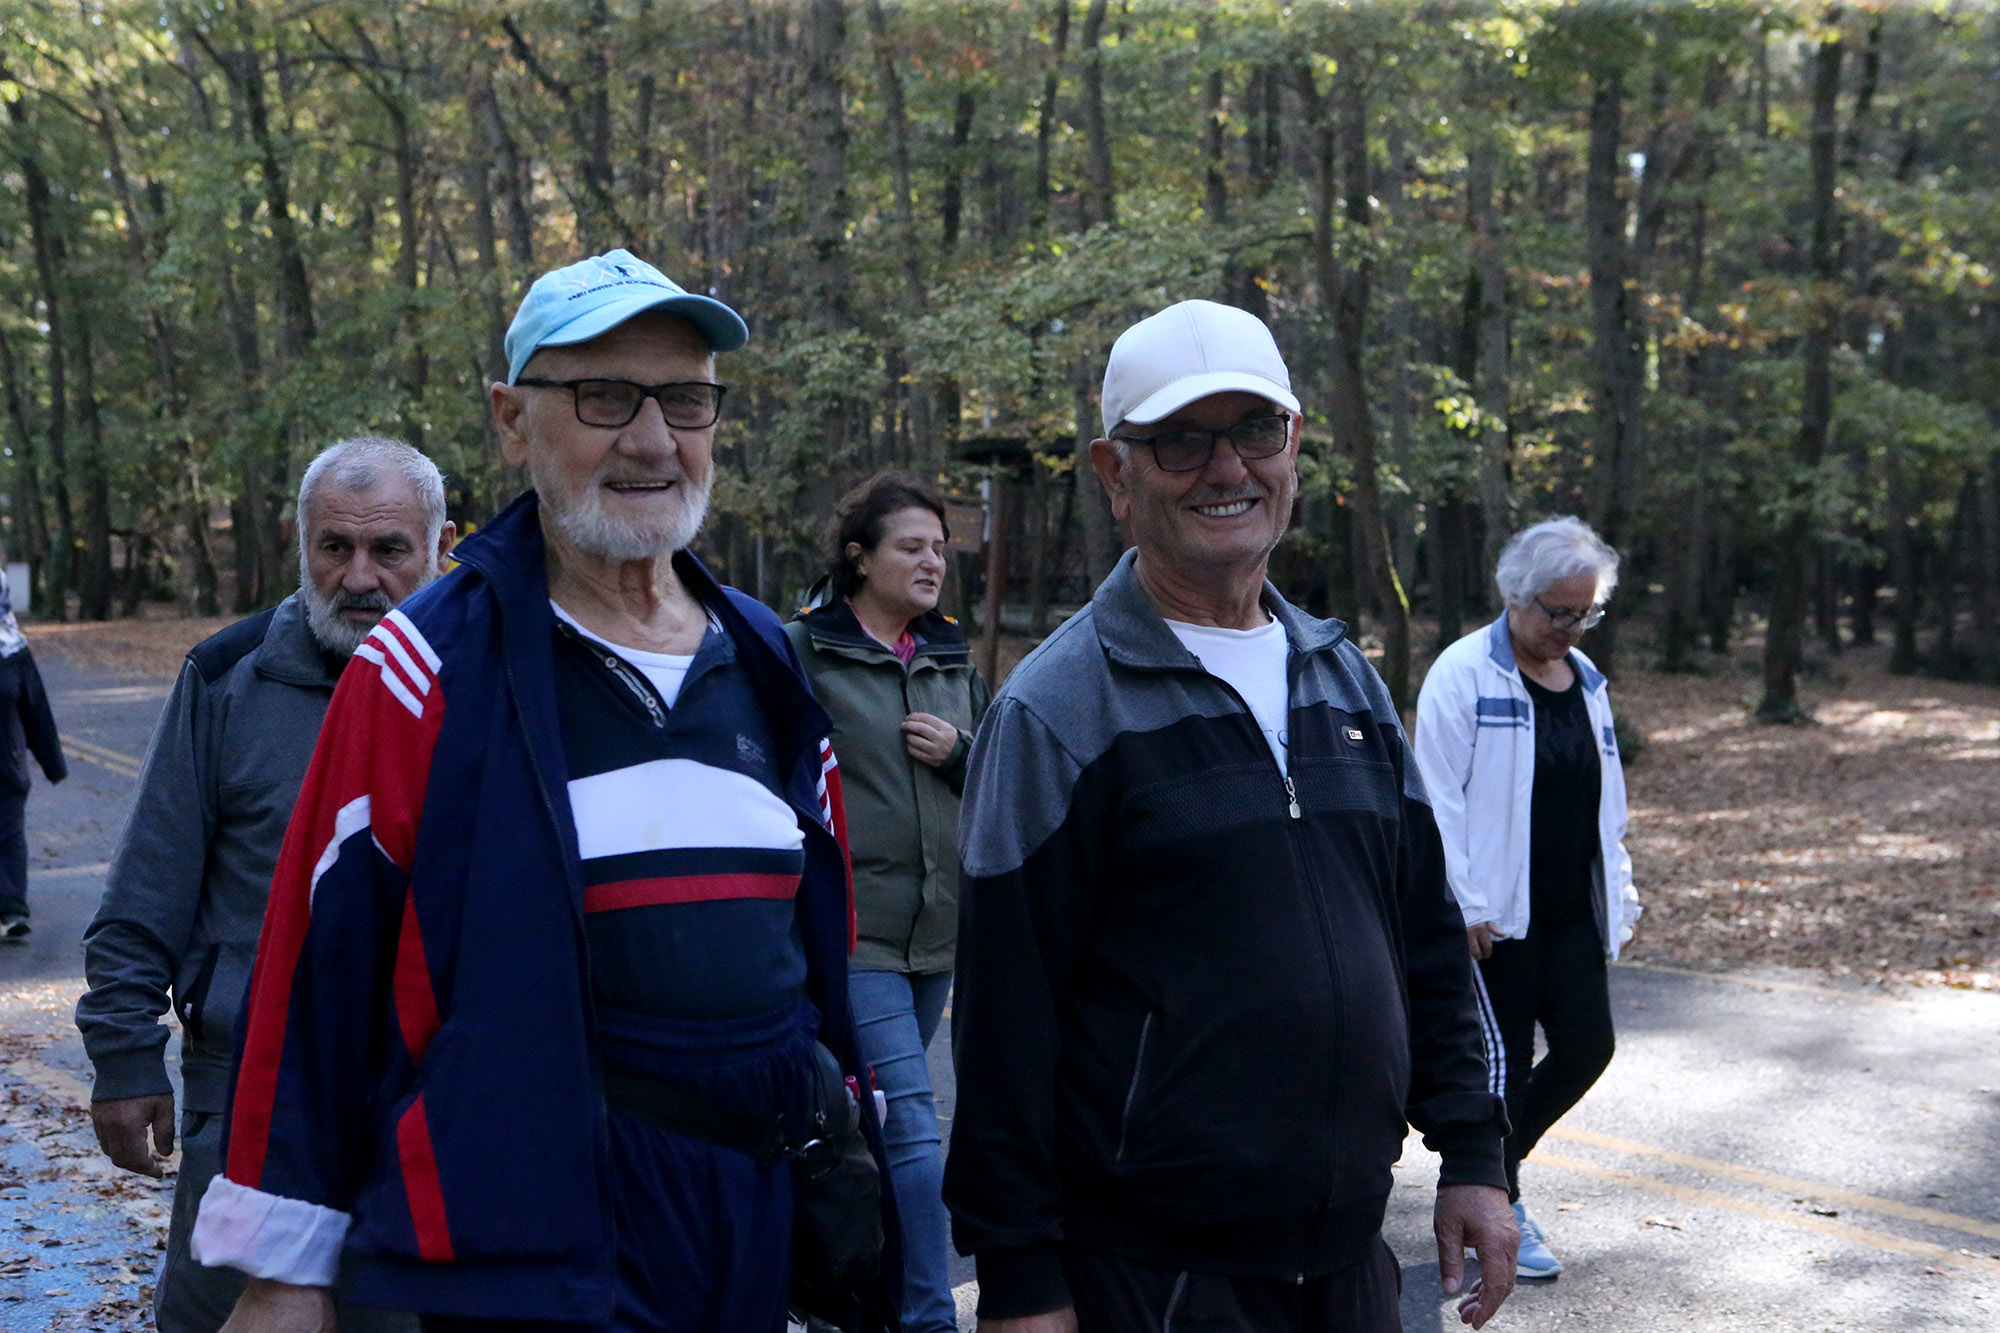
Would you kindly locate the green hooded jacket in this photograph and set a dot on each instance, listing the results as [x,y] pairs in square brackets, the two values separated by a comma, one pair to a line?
[902,815]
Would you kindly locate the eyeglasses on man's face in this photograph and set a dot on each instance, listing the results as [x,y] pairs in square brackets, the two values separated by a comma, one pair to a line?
[686,405]
[1190,450]
[1564,618]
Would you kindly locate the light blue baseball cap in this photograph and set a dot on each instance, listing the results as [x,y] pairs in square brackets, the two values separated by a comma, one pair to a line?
[575,304]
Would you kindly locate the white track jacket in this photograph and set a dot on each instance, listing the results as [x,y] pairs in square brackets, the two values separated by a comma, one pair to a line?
[1475,747]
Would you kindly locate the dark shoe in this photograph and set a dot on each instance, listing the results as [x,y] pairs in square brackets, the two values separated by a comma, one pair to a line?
[14,925]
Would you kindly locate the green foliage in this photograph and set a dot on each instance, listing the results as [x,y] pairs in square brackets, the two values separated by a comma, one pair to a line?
[685,131]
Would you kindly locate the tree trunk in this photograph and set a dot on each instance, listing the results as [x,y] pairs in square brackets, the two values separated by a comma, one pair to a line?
[512,174]
[1902,565]
[1783,647]
[1496,445]
[1038,550]
[1045,113]
[915,294]
[1345,290]
[1100,200]
[93,584]
[297,325]
[951,200]
[52,597]
[166,359]
[1618,360]
[825,277]
[1985,573]
[999,559]
[30,534]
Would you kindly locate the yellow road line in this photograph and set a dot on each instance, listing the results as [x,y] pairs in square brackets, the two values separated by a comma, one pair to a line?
[1790,1185]
[116,694]
[1918,1249]
[64,1087]
[94,868]
[122,764]
[1766,983]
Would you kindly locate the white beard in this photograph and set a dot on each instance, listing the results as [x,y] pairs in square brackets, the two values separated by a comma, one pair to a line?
[582,519]
[335,632]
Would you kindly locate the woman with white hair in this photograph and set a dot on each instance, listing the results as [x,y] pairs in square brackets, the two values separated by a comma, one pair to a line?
[1517,750]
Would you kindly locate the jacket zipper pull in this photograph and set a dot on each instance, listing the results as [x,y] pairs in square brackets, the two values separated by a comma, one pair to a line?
[1291,796]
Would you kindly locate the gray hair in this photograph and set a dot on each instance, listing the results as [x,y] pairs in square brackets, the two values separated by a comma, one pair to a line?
[358,464]
[1537,558]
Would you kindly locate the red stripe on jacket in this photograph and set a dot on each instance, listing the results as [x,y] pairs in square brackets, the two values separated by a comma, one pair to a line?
[416,1005]
[371,748]
[665,889]
[420,1184]
[833,808]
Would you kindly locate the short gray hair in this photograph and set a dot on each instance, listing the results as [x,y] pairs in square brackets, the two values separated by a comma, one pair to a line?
[357,464]
[1537,558]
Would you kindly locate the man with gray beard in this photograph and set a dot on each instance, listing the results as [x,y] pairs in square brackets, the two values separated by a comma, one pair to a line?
[552,990]
[185,894]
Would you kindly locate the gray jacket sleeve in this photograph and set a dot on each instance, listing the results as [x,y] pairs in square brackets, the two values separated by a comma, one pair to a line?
[133,950]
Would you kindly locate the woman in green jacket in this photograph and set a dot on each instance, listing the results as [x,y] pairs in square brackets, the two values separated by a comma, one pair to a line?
[898,679]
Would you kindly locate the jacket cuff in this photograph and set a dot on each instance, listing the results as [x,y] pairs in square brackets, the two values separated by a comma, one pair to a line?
[1016,1283]
[130,1074]
[268,1236]
[953,767]
[1469,1159]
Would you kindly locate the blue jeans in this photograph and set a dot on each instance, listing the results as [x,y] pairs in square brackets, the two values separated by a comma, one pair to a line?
[897,1015]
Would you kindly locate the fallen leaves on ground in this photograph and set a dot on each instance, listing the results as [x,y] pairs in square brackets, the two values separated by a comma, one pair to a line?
[1866,844]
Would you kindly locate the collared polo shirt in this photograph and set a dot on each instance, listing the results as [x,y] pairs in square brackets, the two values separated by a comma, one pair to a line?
[691,854]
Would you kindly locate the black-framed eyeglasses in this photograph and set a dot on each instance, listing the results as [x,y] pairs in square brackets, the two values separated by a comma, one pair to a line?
[686,405]
[1585,619]
[1190,450]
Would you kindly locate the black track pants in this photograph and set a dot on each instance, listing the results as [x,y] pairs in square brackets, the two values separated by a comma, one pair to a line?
[1555,978]
[1118,1295]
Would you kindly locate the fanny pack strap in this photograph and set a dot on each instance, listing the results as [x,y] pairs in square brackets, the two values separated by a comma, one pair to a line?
[681,1112]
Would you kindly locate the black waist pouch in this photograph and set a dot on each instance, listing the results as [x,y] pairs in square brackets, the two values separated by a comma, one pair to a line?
[837,1237]
[837,1231]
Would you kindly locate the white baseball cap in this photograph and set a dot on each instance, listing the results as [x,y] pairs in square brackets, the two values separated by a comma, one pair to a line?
[1189,351]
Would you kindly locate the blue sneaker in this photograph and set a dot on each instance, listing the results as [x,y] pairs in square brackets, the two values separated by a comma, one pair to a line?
[1535,1258]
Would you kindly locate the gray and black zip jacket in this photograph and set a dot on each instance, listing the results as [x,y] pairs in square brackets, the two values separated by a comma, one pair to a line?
[184,900]
[1197,999]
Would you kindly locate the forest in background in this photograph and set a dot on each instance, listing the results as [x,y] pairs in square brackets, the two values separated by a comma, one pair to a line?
[1716,275]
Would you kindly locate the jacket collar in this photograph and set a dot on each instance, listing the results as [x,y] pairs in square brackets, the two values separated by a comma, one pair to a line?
[291,654]
[511,554]
[1500,647]
[834,625]
[1135,634]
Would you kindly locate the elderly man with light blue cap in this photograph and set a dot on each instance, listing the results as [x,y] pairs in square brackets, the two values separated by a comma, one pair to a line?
[549,1023]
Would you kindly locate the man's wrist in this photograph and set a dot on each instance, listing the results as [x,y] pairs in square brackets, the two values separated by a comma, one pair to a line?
[1473,1159]
[130,1074]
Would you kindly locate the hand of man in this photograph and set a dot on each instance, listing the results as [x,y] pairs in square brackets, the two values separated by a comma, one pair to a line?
[1055,1321]
[280,1307]
[121,1126]
[930,740]
[1481,938]
[1478,1216]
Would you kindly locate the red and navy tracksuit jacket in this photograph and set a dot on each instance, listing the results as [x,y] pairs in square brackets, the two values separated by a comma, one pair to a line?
[419,1077]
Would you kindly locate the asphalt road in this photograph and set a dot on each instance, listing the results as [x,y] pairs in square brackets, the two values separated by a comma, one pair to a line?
[1766,1152]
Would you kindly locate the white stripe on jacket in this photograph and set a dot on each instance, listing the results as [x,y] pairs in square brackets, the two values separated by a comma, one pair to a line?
[1475,747]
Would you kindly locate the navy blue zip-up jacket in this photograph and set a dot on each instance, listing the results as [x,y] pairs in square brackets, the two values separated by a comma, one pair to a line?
[418,1080]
